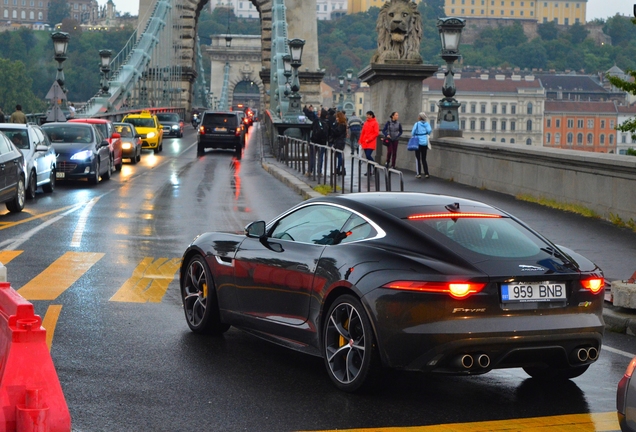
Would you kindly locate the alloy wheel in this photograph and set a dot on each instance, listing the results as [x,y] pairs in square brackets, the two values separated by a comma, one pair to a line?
[345,343]
[195,293]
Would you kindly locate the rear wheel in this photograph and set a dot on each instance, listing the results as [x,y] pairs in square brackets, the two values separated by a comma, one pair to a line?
[50,186]
[200,303]
[553,373]
[139,155]
[31,185]
[17,203]
[200,149]
[349,349]
[94,179]
[108,172]
[120,164]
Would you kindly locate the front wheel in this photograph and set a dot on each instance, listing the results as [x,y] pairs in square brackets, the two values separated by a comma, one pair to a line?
[50,186]
[553,373]
[32,185]
[349,350]
[109,171]
[200,303]
[94,179]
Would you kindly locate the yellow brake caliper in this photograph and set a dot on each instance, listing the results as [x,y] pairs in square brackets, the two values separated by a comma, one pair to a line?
[205,290]
[342,341]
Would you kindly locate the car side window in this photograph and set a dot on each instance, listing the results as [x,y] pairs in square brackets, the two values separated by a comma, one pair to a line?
[4,145]
[357,229]
[317,224]
[40,137]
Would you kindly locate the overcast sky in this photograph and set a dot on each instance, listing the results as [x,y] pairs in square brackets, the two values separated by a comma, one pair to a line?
[595,8]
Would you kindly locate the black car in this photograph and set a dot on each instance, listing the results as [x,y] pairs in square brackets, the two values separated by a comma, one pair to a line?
[171,123]
[221,130]
[12,177]
[402,280]
[82,152]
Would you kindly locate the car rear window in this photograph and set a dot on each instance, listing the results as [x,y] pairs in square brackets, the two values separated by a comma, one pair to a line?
[168,117]
[490,236]
[225,120]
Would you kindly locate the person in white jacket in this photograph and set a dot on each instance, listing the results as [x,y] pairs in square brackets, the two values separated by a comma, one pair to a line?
[421,129]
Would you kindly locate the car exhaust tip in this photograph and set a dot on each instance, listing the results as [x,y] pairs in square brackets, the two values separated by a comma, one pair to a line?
[467,361]
[483,360]
[582,354]
[592,354]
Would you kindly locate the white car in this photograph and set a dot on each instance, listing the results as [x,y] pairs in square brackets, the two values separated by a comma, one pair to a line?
[626,399]
[39,155]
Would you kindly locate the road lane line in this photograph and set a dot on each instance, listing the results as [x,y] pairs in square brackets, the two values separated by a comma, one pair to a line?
[59,276]
[617,351]
[32,218]
[81,223]
[50,321]
[8,255]
[149,281]
[594,422]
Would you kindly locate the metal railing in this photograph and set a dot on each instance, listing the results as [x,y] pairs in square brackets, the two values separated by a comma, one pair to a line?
[320,164]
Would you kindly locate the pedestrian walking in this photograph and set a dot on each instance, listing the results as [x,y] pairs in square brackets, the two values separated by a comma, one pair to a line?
[2,116]
[369,135]
[319,135]
[421,129]
[355,127]
[71,110]
[339,133]
[18,116]
[392,131]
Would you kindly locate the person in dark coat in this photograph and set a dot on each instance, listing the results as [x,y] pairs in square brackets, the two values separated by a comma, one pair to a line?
[339,133]
[392,130]
[319,135]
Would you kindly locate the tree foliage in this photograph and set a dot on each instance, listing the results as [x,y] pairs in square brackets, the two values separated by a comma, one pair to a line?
[58,10]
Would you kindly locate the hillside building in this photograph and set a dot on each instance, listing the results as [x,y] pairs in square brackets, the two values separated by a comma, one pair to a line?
[562,12]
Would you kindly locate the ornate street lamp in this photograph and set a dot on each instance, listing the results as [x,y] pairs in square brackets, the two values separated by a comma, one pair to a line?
[287,72]
[341,80]
[349,106]
[104,66]
[60,45]
[296,52]
[450,30]
[228,34]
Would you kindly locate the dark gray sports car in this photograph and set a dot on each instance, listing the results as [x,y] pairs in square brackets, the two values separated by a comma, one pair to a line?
[402,280]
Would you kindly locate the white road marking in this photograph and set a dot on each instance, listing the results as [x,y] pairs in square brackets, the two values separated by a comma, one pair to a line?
[617,351]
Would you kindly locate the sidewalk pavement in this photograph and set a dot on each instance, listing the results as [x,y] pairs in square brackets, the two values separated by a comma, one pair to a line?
[612,248]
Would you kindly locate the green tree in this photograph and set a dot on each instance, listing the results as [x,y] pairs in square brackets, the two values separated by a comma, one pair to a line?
[16,88]
[548,31]
[577,33]
[630,87]
[58,10]
[620,29]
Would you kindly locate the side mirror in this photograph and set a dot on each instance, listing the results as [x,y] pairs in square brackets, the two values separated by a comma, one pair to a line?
[137,136]
[116,135]
[104,143]
[41,148]
[255,229]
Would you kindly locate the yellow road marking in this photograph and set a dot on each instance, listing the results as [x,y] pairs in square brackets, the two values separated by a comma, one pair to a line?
[7,256]
[149,281]
[594,422]
[50,321]
[32,218]
[59,276]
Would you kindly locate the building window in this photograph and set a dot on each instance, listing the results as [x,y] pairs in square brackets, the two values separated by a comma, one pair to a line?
[528,141]
[557,139]
[590,123]
[547,138]
[611,124]
[570,123]
[570,138]
[579,123]
[432,107]
[494,125]
[483,108]
[602,124]
[557,123]
[494,108]
[579,139]
[513,109]
[529,125]
[611,139]
[503,125]
[463,123]
[512,140]
[549,123]
[463,108]
[6,15]
[473,108]
[482,125]
[503,109]
[590,139]
[503,140]
[513,125]
[566,21]
[623,138]
[472,125]
[529,106]
[602,139]
[31,15]
[432,123]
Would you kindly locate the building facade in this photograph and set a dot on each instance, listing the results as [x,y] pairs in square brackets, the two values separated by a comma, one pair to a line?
[330,9]
[581,125]
[24,12]
[242,8]
[493,108]
[625,140]
[562,12]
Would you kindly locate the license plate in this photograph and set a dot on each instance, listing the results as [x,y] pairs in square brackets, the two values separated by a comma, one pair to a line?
[220,129]
[533,292]
[59,174]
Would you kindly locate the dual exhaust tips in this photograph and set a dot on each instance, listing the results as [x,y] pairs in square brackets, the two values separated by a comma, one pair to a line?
[468,361]
[585,354]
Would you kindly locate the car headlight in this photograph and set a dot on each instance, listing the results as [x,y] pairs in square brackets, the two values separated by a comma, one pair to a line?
[151,135]
[126,146]
[83,155]
[175,127]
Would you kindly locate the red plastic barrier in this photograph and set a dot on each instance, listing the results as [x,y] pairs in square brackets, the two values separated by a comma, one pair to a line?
[31,398]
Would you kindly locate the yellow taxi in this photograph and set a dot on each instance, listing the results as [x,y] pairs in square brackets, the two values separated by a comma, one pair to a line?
[149,129]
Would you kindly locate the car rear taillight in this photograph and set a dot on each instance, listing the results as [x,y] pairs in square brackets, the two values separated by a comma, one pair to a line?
[594,284]
[453,216]
[237,132]
[458,290]
[621,391]
[201,130]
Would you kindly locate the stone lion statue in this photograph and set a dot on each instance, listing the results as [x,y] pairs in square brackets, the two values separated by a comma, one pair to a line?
[399,28]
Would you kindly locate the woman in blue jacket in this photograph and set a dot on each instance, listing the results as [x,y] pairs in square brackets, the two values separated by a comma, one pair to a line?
[421,129]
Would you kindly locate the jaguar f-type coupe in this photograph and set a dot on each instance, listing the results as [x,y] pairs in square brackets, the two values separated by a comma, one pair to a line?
[400,280]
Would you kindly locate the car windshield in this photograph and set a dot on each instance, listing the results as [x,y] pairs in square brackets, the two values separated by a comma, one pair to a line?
[124,130]
[18,137]
[168,117]
[68,133]
[141,122]
[101,127]
[223,120]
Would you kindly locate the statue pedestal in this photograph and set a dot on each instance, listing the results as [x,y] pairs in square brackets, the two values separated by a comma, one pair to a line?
[396,86]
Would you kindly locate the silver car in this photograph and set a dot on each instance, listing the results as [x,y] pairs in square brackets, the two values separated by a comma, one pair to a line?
[626,399]
[39,155]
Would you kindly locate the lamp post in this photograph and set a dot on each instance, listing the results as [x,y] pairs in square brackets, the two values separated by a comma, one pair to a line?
[296,52]
[60,45]
[349,105]
[450,31]
[104,66]
[287,72]
[341,80]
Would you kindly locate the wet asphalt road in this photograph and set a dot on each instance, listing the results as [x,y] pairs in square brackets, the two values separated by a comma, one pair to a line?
[127,361]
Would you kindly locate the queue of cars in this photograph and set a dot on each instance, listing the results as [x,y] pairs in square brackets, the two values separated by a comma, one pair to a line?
[33,156]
